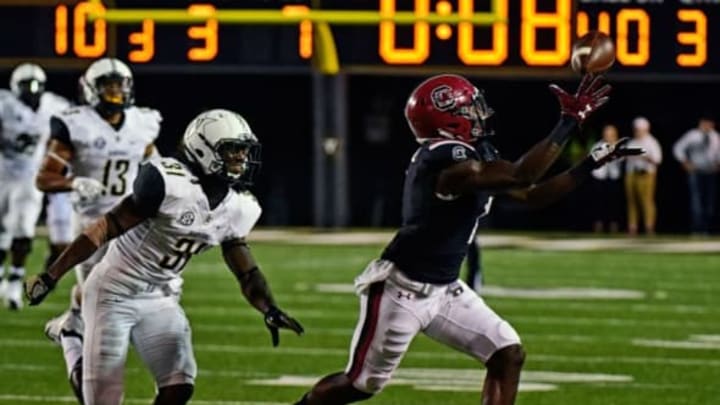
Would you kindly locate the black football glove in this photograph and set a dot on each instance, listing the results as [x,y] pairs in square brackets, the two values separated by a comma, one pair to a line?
[276,319]
[38,287]
[590,95]
[603,152]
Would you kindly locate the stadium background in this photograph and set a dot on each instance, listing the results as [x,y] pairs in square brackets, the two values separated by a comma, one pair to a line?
[258,72]
[279,110]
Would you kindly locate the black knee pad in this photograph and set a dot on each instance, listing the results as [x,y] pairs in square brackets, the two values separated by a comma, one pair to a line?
[21,246]
[511,356]
[76,380]
[178,394]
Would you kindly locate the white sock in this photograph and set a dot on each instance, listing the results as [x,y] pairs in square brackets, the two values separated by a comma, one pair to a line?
[72,351]
[16,273]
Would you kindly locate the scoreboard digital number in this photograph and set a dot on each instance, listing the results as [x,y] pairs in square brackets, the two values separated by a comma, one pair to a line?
[651,36]
[661,37]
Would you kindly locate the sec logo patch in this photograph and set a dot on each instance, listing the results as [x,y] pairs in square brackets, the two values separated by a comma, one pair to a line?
[459,153]
[187,218]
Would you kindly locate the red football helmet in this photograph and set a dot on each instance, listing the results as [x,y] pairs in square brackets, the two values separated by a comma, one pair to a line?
[447,106]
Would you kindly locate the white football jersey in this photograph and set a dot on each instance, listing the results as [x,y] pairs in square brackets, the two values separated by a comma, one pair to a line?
[156,250]
[111,156]
[24,133]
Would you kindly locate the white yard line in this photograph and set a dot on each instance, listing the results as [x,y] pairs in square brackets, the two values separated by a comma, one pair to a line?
[579,243]
[445,354]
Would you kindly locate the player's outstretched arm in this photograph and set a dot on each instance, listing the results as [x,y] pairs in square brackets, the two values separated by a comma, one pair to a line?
[503,175]
[51,176]
[553,189]
[574,109]
[256,289]
[111,225]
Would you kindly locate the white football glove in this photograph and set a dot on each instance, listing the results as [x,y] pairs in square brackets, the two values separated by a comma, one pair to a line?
[86,190]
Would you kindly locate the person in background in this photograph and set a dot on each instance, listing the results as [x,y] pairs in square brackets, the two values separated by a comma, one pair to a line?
[640,178]
[698,150]
[25,112]
[101,144]
[607,182]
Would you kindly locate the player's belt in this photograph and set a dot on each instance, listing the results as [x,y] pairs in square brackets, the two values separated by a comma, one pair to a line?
[424,289]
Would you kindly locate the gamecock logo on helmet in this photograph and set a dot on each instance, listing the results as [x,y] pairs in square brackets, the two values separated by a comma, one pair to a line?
[442,98]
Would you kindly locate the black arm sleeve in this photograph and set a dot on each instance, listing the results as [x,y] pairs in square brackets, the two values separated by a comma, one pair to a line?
[564,128]
[59,131]
[148,190]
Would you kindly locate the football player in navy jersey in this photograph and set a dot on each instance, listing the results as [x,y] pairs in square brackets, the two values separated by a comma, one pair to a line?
[449,184]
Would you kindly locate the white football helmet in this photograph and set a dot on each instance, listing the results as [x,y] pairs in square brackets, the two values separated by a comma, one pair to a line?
[221,143]
[27,80]
[97,75]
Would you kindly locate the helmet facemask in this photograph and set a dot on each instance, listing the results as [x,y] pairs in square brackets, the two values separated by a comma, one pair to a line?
[477,112]
[114,92]
[30,91]
[236,161]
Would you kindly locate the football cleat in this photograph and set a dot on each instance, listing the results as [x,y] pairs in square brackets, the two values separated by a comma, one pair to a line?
[13,294]
[69,323]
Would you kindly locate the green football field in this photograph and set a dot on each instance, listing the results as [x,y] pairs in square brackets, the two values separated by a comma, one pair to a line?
[600,328]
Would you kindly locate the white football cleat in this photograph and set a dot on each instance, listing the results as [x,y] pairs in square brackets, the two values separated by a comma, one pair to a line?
[13,294]
[67,323]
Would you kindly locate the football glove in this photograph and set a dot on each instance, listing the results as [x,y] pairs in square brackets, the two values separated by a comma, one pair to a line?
[603,152]
[86,190]
[276,319]
[38,287]
[590,95]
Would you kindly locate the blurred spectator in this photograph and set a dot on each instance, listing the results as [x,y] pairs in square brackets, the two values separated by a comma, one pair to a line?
[698,150]
[607,189]
[640,178]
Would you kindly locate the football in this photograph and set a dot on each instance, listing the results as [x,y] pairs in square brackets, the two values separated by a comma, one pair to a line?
[593,52]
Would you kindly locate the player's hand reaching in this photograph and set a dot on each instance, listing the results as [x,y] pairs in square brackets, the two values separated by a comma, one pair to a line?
[276,319]
[590,95]
[38,287]
[604,152]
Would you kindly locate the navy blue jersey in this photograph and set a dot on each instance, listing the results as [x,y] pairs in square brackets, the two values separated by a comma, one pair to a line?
[436,229]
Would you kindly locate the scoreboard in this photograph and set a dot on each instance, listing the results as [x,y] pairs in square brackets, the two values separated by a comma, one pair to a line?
[669,38]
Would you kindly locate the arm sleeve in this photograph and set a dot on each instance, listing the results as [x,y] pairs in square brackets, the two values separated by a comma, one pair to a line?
[149,190]
[59,131]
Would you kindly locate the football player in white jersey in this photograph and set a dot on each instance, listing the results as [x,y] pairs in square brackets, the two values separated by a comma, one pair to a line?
[179,207]
[101,145]
[25,113]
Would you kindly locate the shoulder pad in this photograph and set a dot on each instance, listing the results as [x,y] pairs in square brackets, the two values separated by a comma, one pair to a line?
[450,151]
[247,211]
[149,119]
[172,167]
[150,113]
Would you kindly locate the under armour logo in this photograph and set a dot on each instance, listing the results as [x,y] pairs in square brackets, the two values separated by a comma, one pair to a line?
[404,294]
[585,111]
